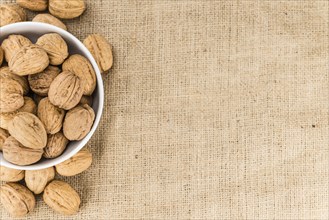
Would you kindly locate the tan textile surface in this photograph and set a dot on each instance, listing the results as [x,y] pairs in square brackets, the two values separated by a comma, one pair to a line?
[214,110]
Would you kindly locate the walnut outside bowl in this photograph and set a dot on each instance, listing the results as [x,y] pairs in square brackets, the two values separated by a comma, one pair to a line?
[33,30]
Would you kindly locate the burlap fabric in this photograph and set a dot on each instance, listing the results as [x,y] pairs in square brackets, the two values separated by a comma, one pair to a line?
[214,110]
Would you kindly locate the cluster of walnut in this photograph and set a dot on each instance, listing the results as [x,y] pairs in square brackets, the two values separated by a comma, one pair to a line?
[45,102]
[19,200]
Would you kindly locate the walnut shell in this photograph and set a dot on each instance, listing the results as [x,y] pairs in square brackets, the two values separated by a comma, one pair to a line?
[61,197]
[101,50]
[66,90]
[29,60]
[28,130]
[17,199]
[11,13]
[49,19]
[67,9]
[40,82]
[1,56]
[55,46]
[33,5]
[36,180]
[11,175]
[56,145]
[76,164]
[11,95]
[14,43]
[51,116]
[78,122]
[3,136]
[6,73]
[29,106]
[86,100]
[83,69]
[14,152]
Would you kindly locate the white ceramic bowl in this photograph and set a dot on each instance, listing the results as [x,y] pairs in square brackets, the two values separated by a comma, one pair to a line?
[33,30]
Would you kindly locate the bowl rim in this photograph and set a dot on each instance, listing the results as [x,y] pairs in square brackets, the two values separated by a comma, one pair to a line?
[99,87]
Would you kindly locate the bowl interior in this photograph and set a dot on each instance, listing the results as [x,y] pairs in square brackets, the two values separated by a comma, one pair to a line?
[33,30]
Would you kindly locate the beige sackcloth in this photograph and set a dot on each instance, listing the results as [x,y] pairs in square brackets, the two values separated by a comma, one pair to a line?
[213,110]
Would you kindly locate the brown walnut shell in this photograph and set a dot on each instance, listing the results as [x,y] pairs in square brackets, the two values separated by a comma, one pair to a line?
[86,100]
[28,130]
[14,152]
[101,50]
[6,73]
[3,136]
[11,13]
[51,116]
[78,122]
[40,82]
[14,43]
[17,200]
[55,46]
[66,90]
[1,56]
[61,197]
[56,145]
[11,175]
[29,60]
[11,95]
[36,180]
[33,5]
[83,69]
[67,9]
[49,19]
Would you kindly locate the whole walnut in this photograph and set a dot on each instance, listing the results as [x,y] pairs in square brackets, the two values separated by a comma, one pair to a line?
[11,13]
[66,90]
[11,175]
[101,50]
[33,5]
[36,180]
[3,136]
[78,122]
[76,164]
[11,95]
[49,19]
[67,9]
[6,73]
[29,106]
[29,60]
[80,66]
[51,116]
[56,145]
[14,152]
[40,82]
[55,46]
[17,199]
[28,130]
[14,43]
[61,197]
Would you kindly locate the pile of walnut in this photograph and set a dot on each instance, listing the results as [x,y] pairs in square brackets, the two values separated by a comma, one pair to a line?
[45,102]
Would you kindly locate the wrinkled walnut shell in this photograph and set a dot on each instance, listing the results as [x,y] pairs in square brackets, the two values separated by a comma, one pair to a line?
[82,68]
[33,5]
[101,50]
[76,164]
[66,90]
[55,146]
[6,73]
[11,95]
[14,43]
[14,152]
[11,175]
[29,60]
[55,46]
[28,130]
[67,9]
[36,180]
[51,116]
[61,197]
[17,199]
[40,82]
[3,136]
[49,19]
[78,122]
[11,13]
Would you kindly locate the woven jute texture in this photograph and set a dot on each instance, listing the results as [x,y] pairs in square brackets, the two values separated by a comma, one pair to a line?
[213,110]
